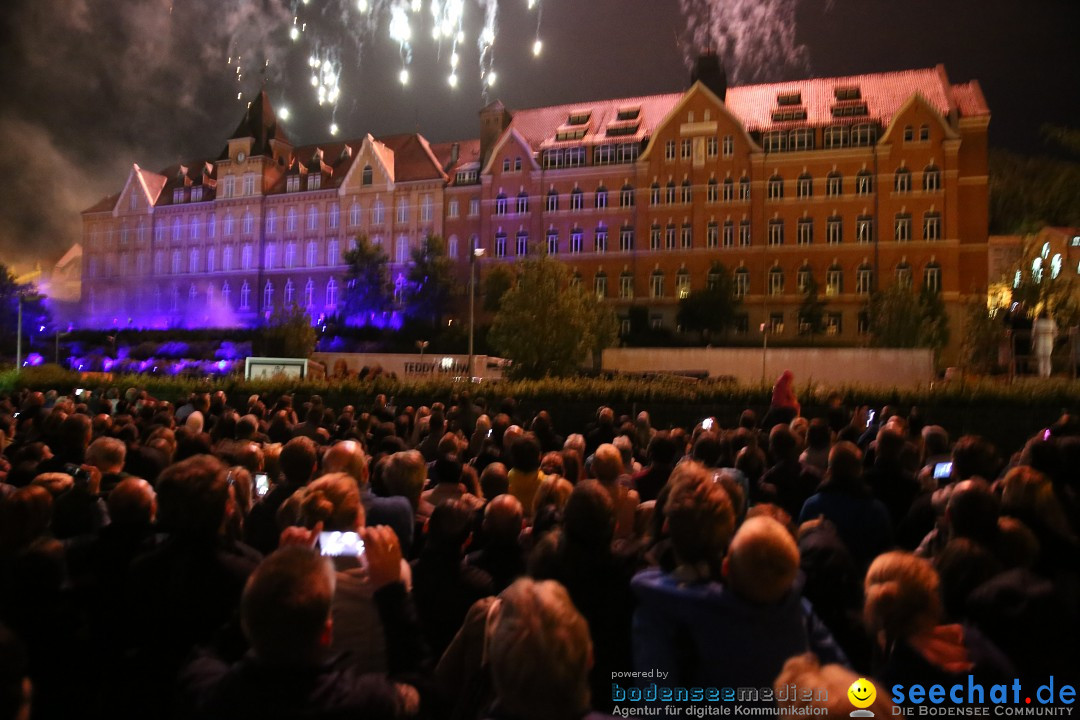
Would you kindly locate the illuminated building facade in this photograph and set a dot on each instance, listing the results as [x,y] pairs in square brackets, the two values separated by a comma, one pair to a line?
[857,182]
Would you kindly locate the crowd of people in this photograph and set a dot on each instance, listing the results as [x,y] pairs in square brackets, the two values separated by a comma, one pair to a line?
[279,558]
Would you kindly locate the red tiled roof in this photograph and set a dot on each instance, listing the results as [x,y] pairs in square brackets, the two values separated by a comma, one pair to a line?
[539,125]
[105,204]
[468,152]
[969,99]
[413,159]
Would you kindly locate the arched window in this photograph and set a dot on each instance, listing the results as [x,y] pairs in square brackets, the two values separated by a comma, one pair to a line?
[226,293]
[367,176]
[500,204]
[331,293]
[332,258]
[931,179]
[682,283]
[268,295]
[245,296]
[903,274]
[600,284]
[312,253]
[932,277]
[656,283]
[452,247]
[309,293]
[864,279]
[834,280]
[290,293]
[354,214]
[776,281]
[271,221]
[742,282]
[902,180]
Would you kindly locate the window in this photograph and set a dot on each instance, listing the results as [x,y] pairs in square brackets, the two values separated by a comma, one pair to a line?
[712,278]
[744,233]
[333,219]
[245,296]
[176,229]
[902,227]
[801,138]
[194,234]
[552,242]
[712,147]
[452,209]
[931,226]
[863,135]
[248,223]
[804,186]
[728,145]
[686,236]
[268,261]
[931,179]
[249,184]
[729,234]
[604,155]
[669,236]
[712,191]
[506,164]
[309,293]
[331,293]
[378,213]
[729,190]
[290,255]
[367,176]
[836,137]
[776,281]
[712,235]
[686,149]
[742,282]
[577,199]
[669,192]
[500,244]
[903,275]
[776,187]
[290,220]
[452,248]
[774,141]
[932,277]
[228,187]
[626,286]
[776,231]
[656,284]
[864,280]
[402,211]
[909,133]
[902,180]
[175,262]
[669,151]
[292,184]
[133,200]
[271,221]
[522,243]
[268,295]
[834,281]
[193,261]
[600,285]
[522,202]
[227,258]
[654,194]
[312,254]
[245,257]
[803,278]
[864,183]
[805,231]
[290,293]
[682,284]
[864,229]
[744,188]
[517,163]
[312,218]
[601,197]
[654,237]
[575,241]
[552,200]
[332,253]
[834,184]
[626,239]
[834,230]
[626,196]
[924,133]
[401,249]
[687,192]
[474,207]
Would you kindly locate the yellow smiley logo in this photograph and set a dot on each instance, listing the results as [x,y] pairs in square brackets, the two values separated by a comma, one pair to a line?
[862,693]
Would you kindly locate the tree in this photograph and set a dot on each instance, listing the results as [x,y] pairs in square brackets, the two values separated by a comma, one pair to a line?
[711,310]
[901,318]
[35,312]
[984,334]
[367,283]
[288,333]
[496,284]
[429,281]
[812,310]
[548,325]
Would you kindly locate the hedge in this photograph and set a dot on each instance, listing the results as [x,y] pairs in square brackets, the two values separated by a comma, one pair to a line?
[1005,413]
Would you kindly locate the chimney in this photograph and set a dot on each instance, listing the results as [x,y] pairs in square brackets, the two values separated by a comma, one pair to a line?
[455,152]
[709,69]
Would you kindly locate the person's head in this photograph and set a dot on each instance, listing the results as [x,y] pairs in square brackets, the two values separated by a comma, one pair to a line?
[589,516]
[974,456]
[132,502]
[972,511]
[607,464]
[450,526]
[57,483]
[552,464]
[299,460]
[525,453]
[75,433]
[347,456]
[503,518]
[553,491]
[699,516]
[106,454]
[1028,494]
[24,516]
[902,596]
[805,671]
[845,464]
[625,446]
[575,441]
[762,561]
[708,450]
[404,474]
[246,427]
[783,445]
[333,500]
[193,497]
[285,608]
[493,481]
[818,434]
[963,565]
[446,470]
[662,449]
[540,652]
[935,440]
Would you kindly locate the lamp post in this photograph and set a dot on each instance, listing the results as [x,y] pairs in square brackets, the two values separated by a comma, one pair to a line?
[19,328]
[58,336]
[476,254]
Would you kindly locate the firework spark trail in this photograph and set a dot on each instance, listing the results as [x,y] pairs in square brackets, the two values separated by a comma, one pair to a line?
[756,38]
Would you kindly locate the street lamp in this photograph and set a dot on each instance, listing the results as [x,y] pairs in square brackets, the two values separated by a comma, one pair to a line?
[477,253]
[19,329]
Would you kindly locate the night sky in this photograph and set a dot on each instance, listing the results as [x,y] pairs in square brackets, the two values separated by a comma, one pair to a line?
[91,86]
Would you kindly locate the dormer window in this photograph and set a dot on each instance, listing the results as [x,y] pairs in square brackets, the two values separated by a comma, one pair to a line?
[579,117]
[849,109]
[571,134]
[292,184]
[178,196]
[197,193]
[785,99]
[848,92]
[630,113]
[367,177]
[789,113]
[314,181]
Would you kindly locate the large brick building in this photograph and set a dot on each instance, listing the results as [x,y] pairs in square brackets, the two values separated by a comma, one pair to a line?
[856,181]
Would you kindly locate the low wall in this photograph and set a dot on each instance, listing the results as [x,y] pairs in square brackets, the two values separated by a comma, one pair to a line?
[883,367]
[412,366]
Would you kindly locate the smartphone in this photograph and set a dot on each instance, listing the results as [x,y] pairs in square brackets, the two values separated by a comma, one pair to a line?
[1046,432]
[870,418]
[707,423]
[489,432]
[942,470]
[341,544]
[79,392]
[262,484]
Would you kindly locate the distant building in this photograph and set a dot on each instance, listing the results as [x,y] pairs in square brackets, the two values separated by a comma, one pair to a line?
[857,181]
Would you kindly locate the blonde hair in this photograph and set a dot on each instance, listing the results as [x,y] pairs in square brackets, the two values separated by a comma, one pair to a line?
[903,596]
[333,500]
[763,560]
[699,515]
[540,651]
[553,490]
[804,671]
